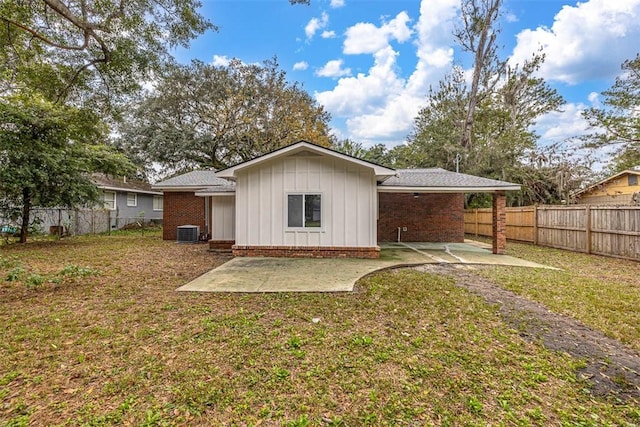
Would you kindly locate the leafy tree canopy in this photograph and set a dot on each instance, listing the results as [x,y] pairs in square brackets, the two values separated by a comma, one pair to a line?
[617,122]
[205,116]
[47,154]
[90,49]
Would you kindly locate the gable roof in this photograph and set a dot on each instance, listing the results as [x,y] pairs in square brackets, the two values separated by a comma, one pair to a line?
[194,180]
[106,182]
[440,180]
[380,171]
[634,171]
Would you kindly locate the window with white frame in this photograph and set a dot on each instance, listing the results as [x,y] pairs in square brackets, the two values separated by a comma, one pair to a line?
[157,203]
[304,210]
[109,200]
[132,199]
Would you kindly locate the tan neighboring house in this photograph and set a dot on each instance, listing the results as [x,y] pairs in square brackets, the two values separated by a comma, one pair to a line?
[620,189]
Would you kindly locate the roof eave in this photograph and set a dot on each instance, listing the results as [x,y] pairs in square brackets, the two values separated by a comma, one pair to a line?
[128,190]
[483,189]
[230,173]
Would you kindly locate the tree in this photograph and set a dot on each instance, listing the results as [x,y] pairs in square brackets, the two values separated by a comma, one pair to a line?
[47,153]
[203,116]
[501,133]
[90,49]
[375,154]
[617,123]
[478,36]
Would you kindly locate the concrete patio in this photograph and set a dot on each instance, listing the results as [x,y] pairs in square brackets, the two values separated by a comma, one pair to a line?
[256,274]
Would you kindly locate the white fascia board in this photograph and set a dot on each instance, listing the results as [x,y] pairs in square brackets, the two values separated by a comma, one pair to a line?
[380,171]
[128,190]
[213,193]
[391,189]
[178,188]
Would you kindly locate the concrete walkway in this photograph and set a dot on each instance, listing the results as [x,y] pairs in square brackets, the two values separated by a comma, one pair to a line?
[256,274]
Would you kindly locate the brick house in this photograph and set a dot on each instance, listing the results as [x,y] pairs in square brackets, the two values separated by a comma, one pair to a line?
[307,200]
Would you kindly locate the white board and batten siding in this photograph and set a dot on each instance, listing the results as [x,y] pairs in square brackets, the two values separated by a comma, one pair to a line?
[223,217]
[348,202]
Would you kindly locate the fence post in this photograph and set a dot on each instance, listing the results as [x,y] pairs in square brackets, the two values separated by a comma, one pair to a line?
[59,223]
[535,225]
[476,217]
[587,212]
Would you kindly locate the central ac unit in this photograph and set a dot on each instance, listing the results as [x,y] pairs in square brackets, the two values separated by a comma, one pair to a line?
[188,233]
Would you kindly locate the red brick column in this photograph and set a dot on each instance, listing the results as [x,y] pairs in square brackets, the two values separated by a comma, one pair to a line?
[499,222]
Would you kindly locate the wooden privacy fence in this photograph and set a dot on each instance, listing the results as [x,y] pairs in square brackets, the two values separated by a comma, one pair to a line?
[603,230]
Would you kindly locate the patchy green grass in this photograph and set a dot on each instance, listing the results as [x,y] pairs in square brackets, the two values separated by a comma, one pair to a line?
[601,292]
[114,344]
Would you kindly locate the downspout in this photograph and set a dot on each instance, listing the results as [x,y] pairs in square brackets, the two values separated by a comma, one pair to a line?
[399,229]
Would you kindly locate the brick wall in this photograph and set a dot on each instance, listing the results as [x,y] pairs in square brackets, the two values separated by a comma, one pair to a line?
[307,251]
[428,218]
[182,208]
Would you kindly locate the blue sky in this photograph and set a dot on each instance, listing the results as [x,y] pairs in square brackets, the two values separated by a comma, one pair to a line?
[371,62]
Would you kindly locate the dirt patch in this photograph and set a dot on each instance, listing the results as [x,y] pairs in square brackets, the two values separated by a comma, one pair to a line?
[612,368]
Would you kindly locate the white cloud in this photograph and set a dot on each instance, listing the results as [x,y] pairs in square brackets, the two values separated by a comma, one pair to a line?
[511,17]
[328,34]
[300,66]
[337,3]
[333,69]
[220,61]
[594,99]
[380,105]
[316,24]
[586,41]
[559,126]
[365,37]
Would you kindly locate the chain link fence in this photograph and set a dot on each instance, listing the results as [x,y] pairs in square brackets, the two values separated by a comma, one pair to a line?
[74,222]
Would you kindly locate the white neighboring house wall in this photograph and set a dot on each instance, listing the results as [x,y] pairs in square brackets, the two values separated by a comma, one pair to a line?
[348,202]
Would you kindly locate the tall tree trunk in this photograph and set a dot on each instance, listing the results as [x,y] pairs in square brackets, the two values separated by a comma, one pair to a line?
[26,213]
[478,36]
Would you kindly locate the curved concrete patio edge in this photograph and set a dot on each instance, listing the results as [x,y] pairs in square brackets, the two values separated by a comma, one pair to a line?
[263,274]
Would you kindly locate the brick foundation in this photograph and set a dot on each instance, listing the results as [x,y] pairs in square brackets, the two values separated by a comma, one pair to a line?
[182,208]
[499,222]
[221,244]
[307,251]
[428,217]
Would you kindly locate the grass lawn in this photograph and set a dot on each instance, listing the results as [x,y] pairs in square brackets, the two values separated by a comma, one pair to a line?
[94,334]
[602,292]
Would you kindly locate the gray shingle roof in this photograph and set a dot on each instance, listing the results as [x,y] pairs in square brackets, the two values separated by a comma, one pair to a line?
[120,183]
[193,179]
[440,178]
[226,188]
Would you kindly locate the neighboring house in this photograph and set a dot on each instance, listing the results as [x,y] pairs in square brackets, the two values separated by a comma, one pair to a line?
[128,199]
[620,189]
[307,200]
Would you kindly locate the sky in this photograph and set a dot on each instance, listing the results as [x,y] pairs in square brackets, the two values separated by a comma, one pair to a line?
[370,63]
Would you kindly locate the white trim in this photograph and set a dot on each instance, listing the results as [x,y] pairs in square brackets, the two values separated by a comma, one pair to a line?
[391,189]
[104,202]
[214,193]
[177,188]
[135,199]
[381,172]
[153,204]
[604,181]
[287,228]
[127,190]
